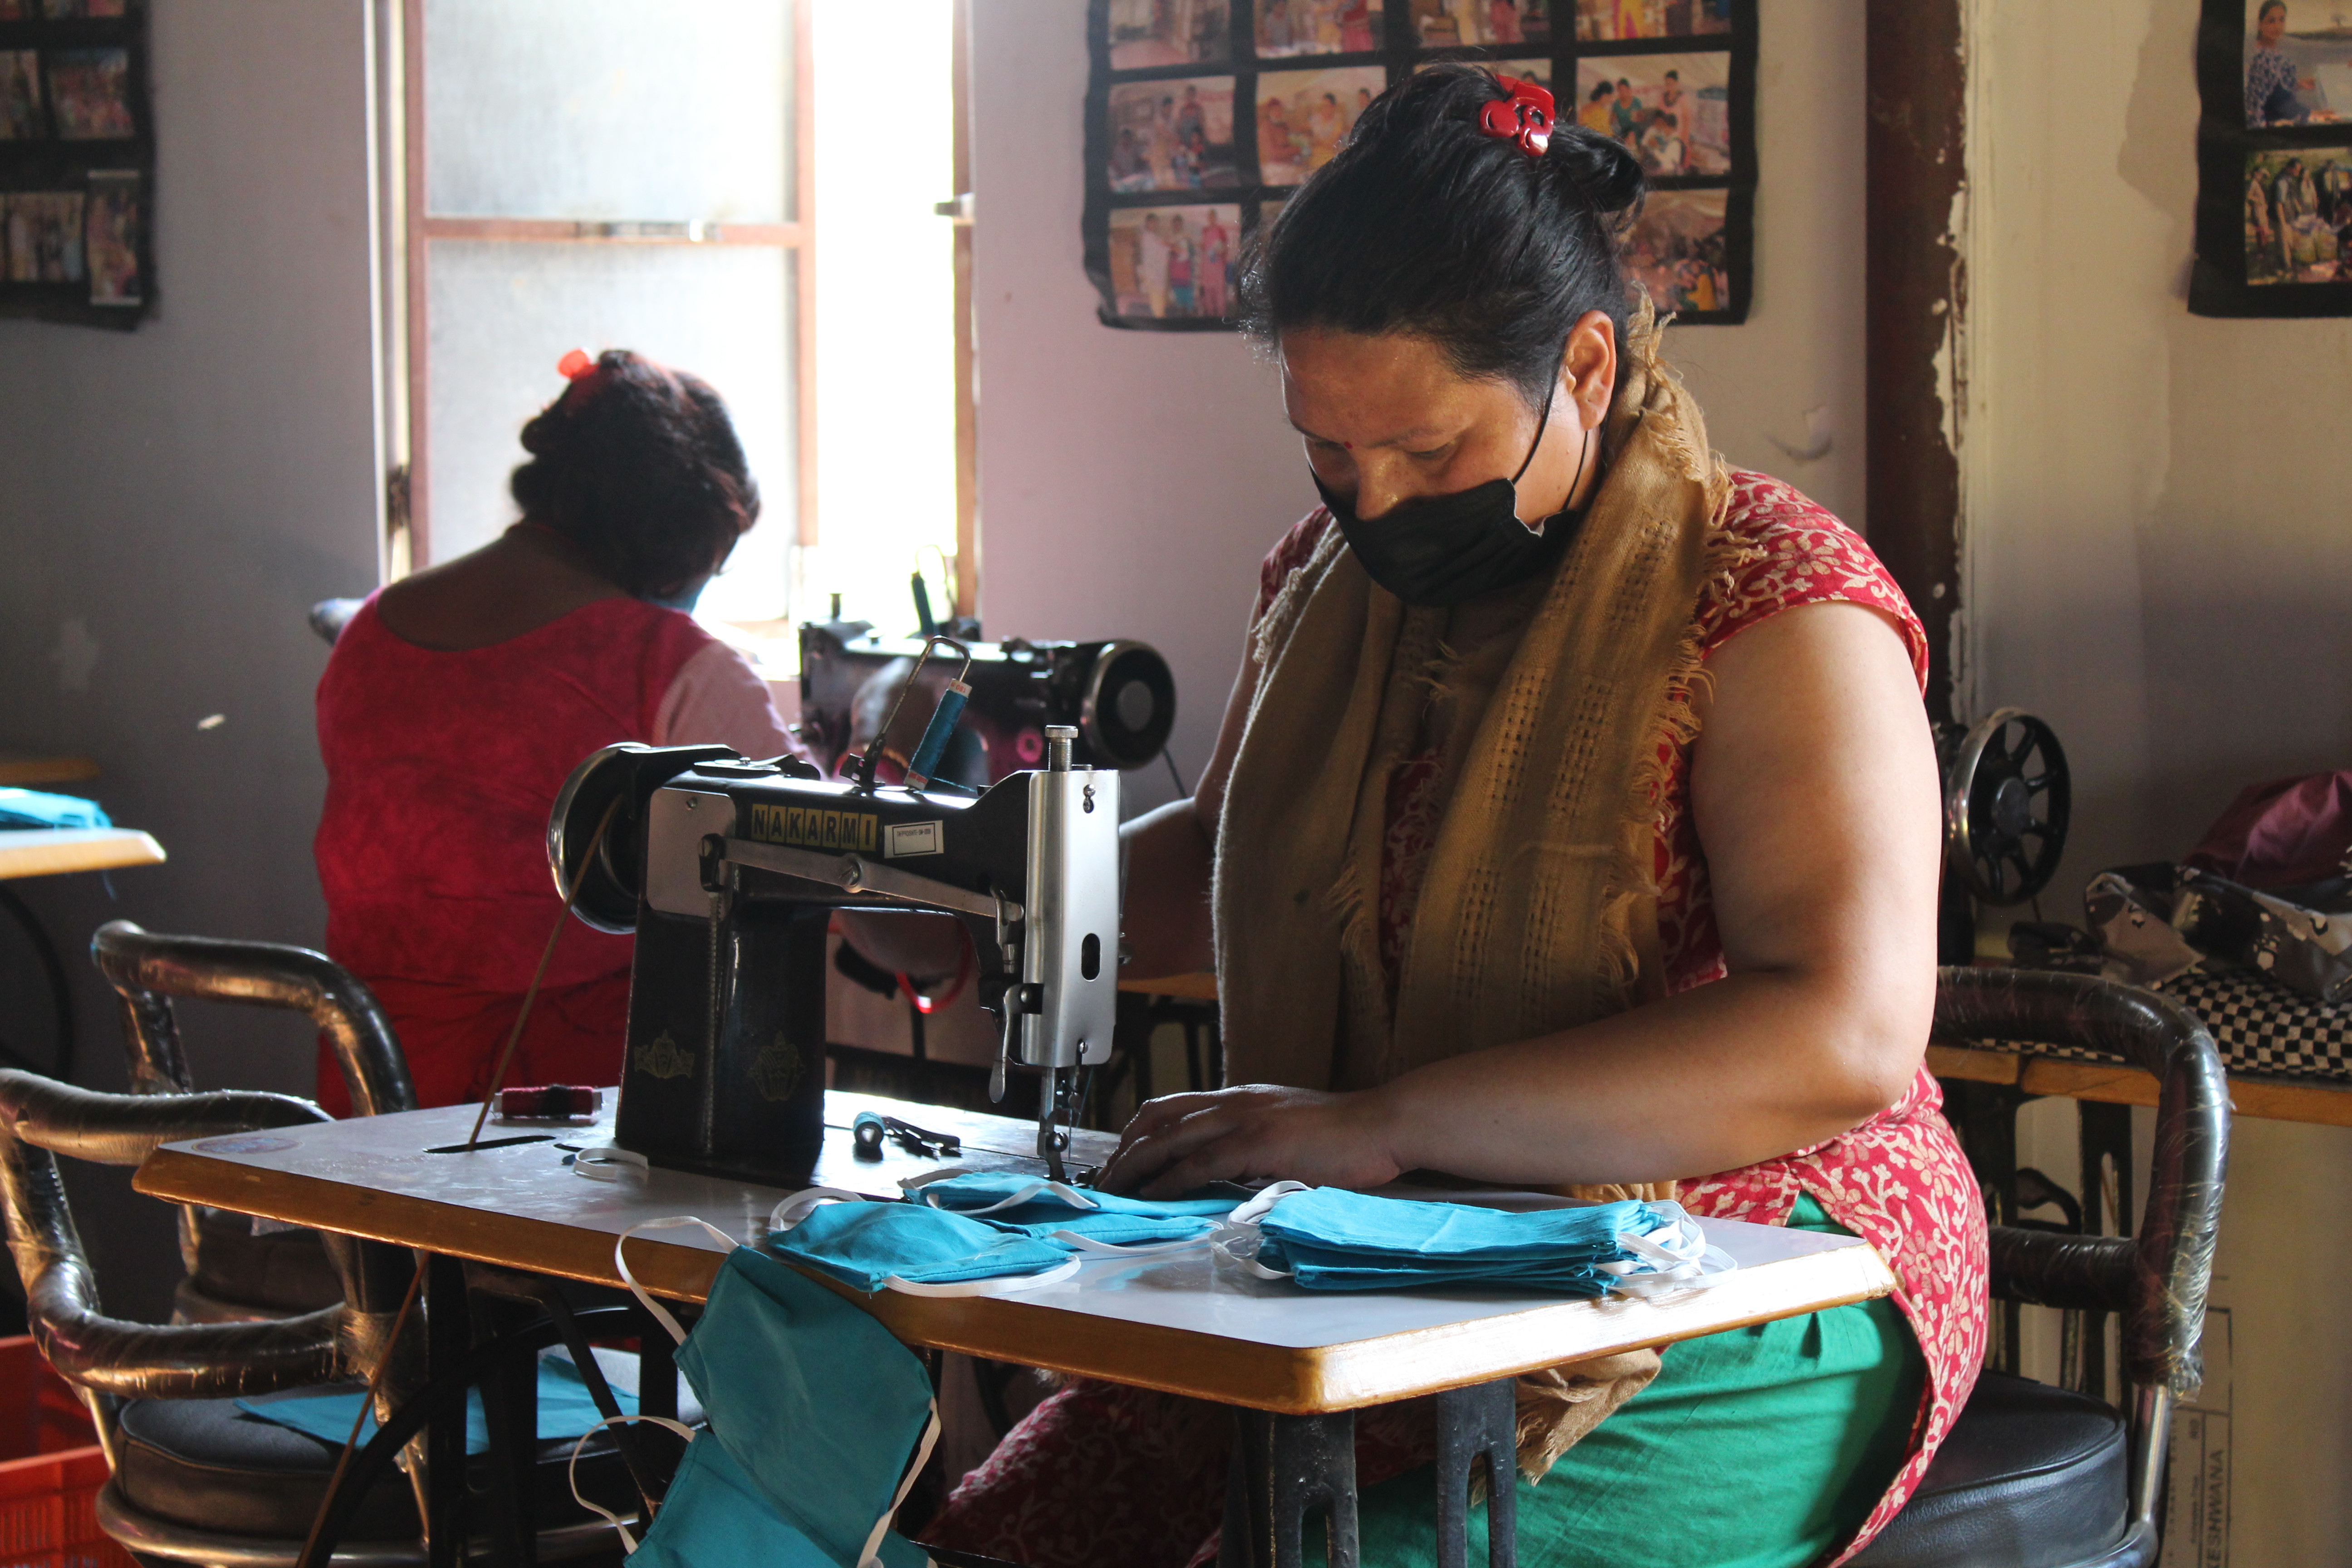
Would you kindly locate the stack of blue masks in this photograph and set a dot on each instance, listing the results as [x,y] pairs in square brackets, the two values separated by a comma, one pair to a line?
[1327,1239]
[868,1245]
[35,808]
[1050,1211]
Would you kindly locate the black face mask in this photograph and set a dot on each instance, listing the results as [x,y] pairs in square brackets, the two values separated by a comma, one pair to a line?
[1436,551]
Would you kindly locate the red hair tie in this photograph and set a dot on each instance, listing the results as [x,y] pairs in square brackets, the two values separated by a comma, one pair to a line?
[582,372]
[1525,117]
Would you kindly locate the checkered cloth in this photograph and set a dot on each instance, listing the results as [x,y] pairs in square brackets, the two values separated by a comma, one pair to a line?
[2260,1026]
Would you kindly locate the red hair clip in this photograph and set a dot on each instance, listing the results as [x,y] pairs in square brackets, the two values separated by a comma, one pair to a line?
[1525,117]
[584,372]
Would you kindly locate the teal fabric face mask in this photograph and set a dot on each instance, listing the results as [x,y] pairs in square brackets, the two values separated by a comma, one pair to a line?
[1327,1239]
[909,1247]
[1074,1216]
[819,1421]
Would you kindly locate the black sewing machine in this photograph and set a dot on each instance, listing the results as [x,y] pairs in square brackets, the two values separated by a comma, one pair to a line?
[1117,694]
[729,870]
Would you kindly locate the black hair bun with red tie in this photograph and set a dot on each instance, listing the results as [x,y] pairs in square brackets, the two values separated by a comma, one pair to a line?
[1459,209]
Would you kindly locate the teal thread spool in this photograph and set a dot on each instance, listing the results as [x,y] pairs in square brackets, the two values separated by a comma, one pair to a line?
[936,735]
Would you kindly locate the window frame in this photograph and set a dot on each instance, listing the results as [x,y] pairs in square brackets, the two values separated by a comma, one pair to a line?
[409,230]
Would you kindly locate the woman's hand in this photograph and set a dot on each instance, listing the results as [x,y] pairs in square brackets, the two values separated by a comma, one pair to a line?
[1255,1132]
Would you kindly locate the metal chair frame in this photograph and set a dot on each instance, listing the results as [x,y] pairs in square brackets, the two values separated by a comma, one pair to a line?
[2155,1283]
[109,1360]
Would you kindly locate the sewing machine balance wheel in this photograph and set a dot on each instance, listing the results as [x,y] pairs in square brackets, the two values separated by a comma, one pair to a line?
[617,780]
[601,782]
[2007,794]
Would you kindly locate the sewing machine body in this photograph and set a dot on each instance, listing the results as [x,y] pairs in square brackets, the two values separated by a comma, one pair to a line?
[736,868]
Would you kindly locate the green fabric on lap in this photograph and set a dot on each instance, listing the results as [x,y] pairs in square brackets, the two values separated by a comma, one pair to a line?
[1760,1448]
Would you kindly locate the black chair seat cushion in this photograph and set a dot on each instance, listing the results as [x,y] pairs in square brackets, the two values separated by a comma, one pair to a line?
[205,1464]
[2031,1476]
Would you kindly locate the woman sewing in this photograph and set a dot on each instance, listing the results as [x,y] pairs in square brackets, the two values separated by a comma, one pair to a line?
[1573,825]
[457,702]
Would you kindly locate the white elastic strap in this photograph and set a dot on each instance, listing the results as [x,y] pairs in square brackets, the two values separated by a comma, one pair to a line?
[1061,1190]
[1227,1241]
[1000,1285]
[790,1211]
[620,1261]
[871,1557]
[608,1163]
[1671,1261]
[1258,1207]
[571,1470]
[1240,1231]
[1145,1249]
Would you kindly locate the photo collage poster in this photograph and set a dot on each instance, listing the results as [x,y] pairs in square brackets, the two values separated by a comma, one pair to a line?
[1204,116]
[76,161]
[2275,159]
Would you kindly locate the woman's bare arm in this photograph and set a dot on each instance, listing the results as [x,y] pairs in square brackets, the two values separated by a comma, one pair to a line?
[1814,793]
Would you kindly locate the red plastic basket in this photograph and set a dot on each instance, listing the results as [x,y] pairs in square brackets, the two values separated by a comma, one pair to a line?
[50,1470]
[48,1513]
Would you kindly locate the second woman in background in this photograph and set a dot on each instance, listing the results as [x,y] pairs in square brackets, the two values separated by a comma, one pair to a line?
[458,701]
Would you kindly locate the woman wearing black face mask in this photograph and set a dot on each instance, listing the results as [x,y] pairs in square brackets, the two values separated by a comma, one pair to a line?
[1574,824]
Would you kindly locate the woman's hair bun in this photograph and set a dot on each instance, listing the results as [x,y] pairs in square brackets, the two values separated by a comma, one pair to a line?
[639,465]
[1427,223]
[1606,173]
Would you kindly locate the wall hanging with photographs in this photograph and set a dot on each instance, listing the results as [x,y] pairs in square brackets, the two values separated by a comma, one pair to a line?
[1204,116]
[2274,160]
[76,161]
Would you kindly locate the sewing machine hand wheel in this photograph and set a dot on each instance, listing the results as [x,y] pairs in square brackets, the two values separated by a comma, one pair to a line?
[2006,799]
[625,774]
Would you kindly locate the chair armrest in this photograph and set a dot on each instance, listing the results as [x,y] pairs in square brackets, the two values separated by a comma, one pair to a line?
[2166,1312]
[124,1129]
[2051,1269]
[144,966]
[109,1355]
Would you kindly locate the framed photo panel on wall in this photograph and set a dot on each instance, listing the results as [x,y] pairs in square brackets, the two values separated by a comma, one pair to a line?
[76,161]
[1204,116]
[2275,161]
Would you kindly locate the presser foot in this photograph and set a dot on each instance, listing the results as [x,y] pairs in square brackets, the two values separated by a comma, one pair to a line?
[1053,1111]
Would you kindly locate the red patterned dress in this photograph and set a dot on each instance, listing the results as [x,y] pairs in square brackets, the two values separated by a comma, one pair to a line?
[1898,1179]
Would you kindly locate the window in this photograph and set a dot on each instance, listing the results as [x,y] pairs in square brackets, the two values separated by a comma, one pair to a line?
[651,174]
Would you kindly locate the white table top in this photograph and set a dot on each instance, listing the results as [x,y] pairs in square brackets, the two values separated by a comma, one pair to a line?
[47,851]
[1183,1323]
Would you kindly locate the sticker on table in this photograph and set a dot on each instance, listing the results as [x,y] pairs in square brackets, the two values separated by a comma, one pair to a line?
[243,1143]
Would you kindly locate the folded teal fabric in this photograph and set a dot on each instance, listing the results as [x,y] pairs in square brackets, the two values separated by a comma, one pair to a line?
[565,1409]
[1332,1239]
[1032,1207]
[865,1245]
[33,808]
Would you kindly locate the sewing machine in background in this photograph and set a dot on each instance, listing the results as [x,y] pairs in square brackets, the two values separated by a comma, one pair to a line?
[1118,694]
[729,871]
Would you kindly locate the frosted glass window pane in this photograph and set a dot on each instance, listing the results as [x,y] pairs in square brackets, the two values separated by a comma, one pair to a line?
[503,313]
[661,111]
[885,325]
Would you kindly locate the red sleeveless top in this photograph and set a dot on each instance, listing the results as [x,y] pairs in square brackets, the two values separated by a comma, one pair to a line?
[441,770]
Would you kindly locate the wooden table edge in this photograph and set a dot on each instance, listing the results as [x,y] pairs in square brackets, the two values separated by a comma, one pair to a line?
[60,851]
[2113,1083]
[29,769]
[1287,1380]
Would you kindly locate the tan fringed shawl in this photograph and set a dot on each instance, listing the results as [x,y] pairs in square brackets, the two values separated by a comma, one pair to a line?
[1537,905]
